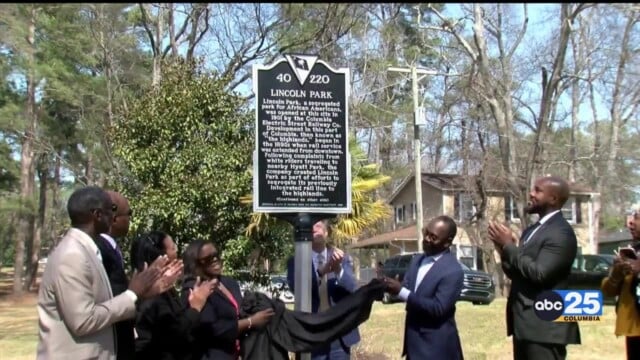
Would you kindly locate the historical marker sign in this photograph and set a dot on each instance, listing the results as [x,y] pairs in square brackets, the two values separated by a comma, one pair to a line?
[301,163]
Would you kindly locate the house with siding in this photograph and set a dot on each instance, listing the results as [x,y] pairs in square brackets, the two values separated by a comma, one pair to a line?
[449,194]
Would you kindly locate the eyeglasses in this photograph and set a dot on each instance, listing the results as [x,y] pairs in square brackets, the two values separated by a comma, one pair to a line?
[211,259]
[129,213]
[114,208]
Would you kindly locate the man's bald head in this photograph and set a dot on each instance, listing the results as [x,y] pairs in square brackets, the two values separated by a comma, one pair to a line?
[549,193]
[122,215]
[558,187]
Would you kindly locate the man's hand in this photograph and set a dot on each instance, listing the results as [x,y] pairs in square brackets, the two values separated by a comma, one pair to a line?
[393,286]
[335,262]
[142,281]
[500,235]
[170,274]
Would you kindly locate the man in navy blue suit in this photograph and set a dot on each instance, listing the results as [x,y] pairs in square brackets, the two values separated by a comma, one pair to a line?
[431,287]
[332,280]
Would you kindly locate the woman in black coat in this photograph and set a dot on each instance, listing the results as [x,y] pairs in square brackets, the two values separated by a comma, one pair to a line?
[164,324]
[217,335]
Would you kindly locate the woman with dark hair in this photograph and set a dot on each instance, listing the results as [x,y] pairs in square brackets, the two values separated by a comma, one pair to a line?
[164,324]
[217,335]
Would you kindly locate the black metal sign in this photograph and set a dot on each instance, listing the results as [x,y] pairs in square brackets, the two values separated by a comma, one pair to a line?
[301,163]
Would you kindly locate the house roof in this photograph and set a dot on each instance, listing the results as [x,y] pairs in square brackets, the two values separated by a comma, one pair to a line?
[404,234]
[456,182]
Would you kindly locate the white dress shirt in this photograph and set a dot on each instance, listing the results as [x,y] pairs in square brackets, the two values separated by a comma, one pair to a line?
[425,266]
[110,240]
[541,221]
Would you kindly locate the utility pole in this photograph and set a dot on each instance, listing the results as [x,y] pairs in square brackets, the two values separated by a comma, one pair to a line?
[418,119]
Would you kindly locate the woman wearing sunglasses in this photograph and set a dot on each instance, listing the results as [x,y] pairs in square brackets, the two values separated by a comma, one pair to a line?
[164,324]
[217,336]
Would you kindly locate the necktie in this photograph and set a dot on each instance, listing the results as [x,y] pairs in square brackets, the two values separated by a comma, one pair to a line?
[322,288]
[530,231]
[119,252]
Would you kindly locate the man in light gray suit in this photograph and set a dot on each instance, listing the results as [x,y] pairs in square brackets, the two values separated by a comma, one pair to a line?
[76,308]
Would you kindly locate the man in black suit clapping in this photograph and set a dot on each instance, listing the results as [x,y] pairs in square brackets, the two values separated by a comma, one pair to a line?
[113,262]
[542,261]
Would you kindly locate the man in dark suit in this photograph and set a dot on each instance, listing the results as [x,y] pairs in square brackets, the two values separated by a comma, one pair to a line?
[332,280]
[113,262]
[431,288]
[541,262]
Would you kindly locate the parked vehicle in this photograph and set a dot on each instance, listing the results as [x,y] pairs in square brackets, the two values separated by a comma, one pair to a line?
[588,271]
[478,286]
[277,287]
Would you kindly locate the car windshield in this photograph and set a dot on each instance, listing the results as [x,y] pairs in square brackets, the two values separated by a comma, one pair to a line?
[464,267]
[608,258]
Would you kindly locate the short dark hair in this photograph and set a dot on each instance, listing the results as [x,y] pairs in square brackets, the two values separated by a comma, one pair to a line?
[190,256]
[83,201]
[451,225]
[146,248]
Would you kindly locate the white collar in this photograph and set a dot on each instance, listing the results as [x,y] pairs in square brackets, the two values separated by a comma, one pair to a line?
[111,240]
[435,257]
[323,253]
[547,217]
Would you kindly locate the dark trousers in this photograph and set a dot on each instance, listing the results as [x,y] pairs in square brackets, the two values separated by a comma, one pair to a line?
[525,350]
[633,347]
[335,352]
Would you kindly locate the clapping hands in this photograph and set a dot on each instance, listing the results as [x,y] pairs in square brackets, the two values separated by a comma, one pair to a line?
[500,235]
[157,278]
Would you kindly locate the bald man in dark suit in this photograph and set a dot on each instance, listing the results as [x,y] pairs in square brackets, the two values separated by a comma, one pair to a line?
[542,261]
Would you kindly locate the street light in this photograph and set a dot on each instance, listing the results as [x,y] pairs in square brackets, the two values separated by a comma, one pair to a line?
[416,140]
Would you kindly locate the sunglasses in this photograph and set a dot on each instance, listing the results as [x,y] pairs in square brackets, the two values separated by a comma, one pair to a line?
[211,259]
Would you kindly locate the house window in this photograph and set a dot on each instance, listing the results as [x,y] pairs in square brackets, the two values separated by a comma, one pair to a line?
[400,214]
[511,209]
[414,211]
[466,256]
[571,211]
[464,208]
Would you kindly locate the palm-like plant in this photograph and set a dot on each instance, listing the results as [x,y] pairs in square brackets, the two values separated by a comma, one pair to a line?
[366,211]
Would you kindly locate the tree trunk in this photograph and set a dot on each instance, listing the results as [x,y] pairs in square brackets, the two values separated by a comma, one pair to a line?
[198,11]
[157,58]
[172,31]
[32,266]
[55,203]
[25,226]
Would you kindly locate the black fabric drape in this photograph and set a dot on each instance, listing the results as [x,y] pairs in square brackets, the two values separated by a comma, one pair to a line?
[296,331]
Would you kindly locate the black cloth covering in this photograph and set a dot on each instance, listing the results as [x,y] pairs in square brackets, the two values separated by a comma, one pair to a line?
[297,331]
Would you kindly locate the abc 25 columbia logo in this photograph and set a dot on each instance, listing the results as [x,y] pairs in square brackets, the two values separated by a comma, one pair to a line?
[569,305]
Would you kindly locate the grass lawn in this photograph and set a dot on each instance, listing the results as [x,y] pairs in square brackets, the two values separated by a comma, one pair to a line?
[482,332]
